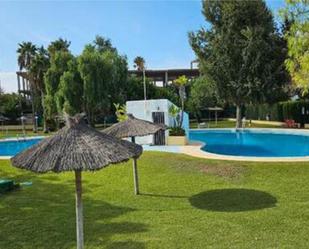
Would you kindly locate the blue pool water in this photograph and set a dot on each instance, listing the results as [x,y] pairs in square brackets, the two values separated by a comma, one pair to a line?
[11,148]
[257,143]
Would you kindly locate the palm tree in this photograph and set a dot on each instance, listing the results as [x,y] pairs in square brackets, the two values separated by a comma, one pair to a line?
[139,63]
[26,51]
[181,83]
[38,68]
[58,45]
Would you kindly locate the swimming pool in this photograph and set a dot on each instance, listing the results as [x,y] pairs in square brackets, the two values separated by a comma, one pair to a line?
[253,142]
[11,147]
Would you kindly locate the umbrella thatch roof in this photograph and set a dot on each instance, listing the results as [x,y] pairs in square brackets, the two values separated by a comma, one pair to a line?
[133,127]
[76,147]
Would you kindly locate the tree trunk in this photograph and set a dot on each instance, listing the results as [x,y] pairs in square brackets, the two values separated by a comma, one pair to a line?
[135,173]
[238,117]
[79,210]
[182,110]
[34,129]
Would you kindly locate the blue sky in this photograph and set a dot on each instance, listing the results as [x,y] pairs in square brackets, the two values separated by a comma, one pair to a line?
[156,30]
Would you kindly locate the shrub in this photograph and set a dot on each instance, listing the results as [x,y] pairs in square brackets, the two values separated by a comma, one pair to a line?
[177,131]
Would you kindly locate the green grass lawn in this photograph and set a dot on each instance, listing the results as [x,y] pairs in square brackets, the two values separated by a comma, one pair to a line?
[231,124]
[185,203]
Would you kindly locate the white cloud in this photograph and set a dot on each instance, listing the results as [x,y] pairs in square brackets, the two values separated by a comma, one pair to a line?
[8,81]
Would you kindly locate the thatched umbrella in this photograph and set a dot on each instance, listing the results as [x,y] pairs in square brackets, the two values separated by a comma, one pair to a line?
[134,127]
[76,147]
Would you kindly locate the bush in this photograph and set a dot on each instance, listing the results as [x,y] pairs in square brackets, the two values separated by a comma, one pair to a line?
[177,131]
[280,111]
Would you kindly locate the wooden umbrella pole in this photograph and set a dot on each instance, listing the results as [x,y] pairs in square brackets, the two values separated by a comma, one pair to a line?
[135,173]
[79,210]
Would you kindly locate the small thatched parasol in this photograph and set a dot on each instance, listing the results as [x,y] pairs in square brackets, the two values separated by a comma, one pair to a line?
[134,127]
[76,147]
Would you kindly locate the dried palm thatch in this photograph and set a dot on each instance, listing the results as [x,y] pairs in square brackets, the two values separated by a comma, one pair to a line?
[76,147]
[133,127]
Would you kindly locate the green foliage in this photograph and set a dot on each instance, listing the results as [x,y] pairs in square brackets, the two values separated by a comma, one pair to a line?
[174,111]
[280,111]
[10,105]
[203,94]
[176,131]
[139,63]
[26,51]
[69,97]
[134,90]
[104,74]
[297,63]
[59,64]
[121,112]
[239,52]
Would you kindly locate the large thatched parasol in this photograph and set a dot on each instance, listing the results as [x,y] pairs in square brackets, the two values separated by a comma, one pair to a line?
[76,147]
[134,127]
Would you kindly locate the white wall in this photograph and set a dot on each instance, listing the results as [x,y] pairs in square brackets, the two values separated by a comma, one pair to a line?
[143,110]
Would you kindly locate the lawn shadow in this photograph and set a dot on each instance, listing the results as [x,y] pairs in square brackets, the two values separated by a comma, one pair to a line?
[233,200]
[43,216]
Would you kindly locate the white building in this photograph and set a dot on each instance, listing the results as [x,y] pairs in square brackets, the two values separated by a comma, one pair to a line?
[155,110]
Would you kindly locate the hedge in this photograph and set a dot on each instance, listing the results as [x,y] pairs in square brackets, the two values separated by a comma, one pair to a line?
[279,111]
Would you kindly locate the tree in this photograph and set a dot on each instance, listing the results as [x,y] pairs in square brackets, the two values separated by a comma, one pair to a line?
[203,94]
[26,52]
[297,36]
[104,73]
[237,52]
[181,83]
[69,96]
[103,44]
[58,45]
[59,63]
[37,70]
[139,63]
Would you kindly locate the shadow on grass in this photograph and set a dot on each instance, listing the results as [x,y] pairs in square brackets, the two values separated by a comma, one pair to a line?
[43,216]
[233,200]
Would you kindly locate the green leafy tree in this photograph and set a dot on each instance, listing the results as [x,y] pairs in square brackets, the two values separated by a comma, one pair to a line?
[103,44]
[203,94]
[69,97]
[297,63]
[59,64]
[237,51]
[104,73]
